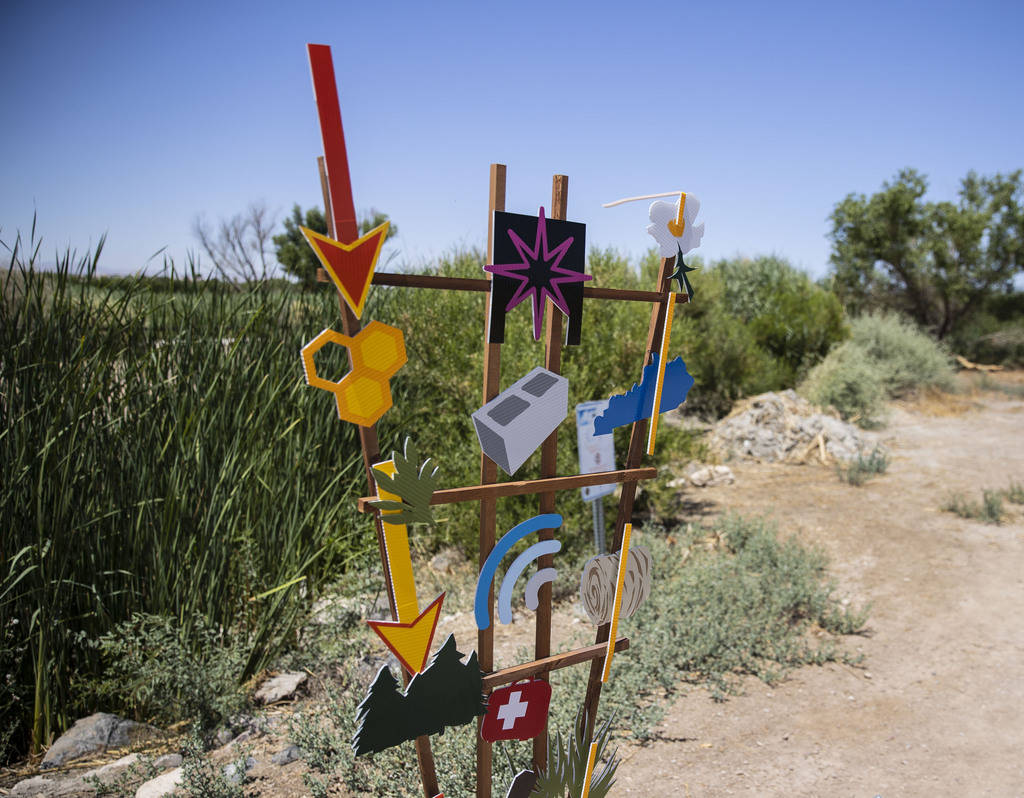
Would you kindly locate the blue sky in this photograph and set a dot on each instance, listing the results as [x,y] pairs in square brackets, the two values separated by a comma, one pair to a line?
[131,118]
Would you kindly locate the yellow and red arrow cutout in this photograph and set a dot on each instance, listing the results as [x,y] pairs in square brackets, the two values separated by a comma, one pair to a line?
[350,265]
[349,260]
[409,637]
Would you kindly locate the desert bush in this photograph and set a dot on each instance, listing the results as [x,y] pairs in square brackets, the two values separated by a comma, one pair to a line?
[906,358]
[861,469]
[156,670]
[989,509]
[848,381]
[886,357]
[202,778]
[792,318]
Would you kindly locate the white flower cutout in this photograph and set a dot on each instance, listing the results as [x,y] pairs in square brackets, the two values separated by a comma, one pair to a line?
[665,227]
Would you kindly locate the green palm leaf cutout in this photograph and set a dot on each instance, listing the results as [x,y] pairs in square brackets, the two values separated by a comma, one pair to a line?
[414,482]
[567,762]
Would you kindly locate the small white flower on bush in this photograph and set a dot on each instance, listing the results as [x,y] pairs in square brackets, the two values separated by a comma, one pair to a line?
[663,220]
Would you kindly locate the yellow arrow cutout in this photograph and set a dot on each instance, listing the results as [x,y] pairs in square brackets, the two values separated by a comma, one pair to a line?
[409,637]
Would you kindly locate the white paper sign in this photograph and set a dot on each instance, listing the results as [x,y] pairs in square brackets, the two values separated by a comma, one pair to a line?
[597,452]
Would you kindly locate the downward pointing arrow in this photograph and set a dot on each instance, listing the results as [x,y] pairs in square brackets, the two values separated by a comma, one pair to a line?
[350,265]
[409,637]
[410,642]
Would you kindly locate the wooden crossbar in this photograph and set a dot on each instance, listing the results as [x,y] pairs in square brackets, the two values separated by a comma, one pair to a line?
[483,286]
[496,490]
[552,663]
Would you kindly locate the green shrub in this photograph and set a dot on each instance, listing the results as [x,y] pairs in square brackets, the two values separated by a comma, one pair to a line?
[755,325]
[848,381]
[989,509]
[792,318]
[165,671]
[858,471]
[906,358]
[202,778]
[886,357]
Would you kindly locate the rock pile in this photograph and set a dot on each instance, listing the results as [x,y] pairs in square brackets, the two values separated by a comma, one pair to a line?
[785,427]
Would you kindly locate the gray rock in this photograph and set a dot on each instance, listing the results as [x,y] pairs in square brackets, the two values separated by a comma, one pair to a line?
[711,476]
[235,774]
[281,687]
[164,784]
[785,427]
[41,787]
[167,761]
[68,785]
[94,734]
[289,754]
[224,736]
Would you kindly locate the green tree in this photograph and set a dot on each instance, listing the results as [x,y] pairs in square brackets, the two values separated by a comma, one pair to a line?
[935,261]
[296,255]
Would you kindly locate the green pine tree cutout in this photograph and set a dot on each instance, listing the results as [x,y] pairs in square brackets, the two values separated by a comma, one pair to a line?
[414,482]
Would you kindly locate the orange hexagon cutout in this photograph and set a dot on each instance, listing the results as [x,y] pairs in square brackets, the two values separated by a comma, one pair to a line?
[364,394]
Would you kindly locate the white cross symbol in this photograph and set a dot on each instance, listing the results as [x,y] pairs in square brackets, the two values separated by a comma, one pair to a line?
[512,711]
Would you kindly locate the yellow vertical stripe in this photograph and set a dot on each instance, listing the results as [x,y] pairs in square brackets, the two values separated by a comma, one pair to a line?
[617,606]
[396,547]
[590,770]
[652,430]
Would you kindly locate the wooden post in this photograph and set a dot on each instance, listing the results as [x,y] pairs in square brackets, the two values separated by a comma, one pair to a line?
[548,468]
[370,447]
[488,474]
[628,495]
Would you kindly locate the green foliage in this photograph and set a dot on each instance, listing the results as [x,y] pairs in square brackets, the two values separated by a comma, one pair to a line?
[986,338]
[1015,493]
[727,600]
[906,358]
[412,483]
[296,255]
[886,357]
[860,470]
[938,262]
[125,783]
[155,671]
[848,381]
[756,325]
[989,509]
[201,778]
[566,769]
[792,318]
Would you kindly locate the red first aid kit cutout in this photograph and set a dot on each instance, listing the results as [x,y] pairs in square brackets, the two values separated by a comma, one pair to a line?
[517,712]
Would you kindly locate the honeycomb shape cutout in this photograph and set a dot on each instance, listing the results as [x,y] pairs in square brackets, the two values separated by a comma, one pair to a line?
[364,394]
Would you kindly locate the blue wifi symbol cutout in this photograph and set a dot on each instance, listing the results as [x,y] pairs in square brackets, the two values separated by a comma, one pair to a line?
[519,564]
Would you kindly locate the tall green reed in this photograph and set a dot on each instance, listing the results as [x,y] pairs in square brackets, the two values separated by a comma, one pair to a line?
[161,454]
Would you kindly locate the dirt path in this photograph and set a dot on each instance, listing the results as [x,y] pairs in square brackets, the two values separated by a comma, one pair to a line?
[938,708]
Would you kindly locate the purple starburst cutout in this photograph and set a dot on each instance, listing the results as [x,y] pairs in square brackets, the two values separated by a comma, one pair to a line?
[539,273]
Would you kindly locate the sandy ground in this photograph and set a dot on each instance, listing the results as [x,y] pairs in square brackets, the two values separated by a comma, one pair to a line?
[938,707]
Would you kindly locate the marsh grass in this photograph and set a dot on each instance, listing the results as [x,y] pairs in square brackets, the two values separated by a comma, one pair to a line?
[160,455]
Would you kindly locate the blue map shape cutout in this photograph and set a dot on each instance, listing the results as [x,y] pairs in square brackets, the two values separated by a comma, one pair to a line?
[638,402]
